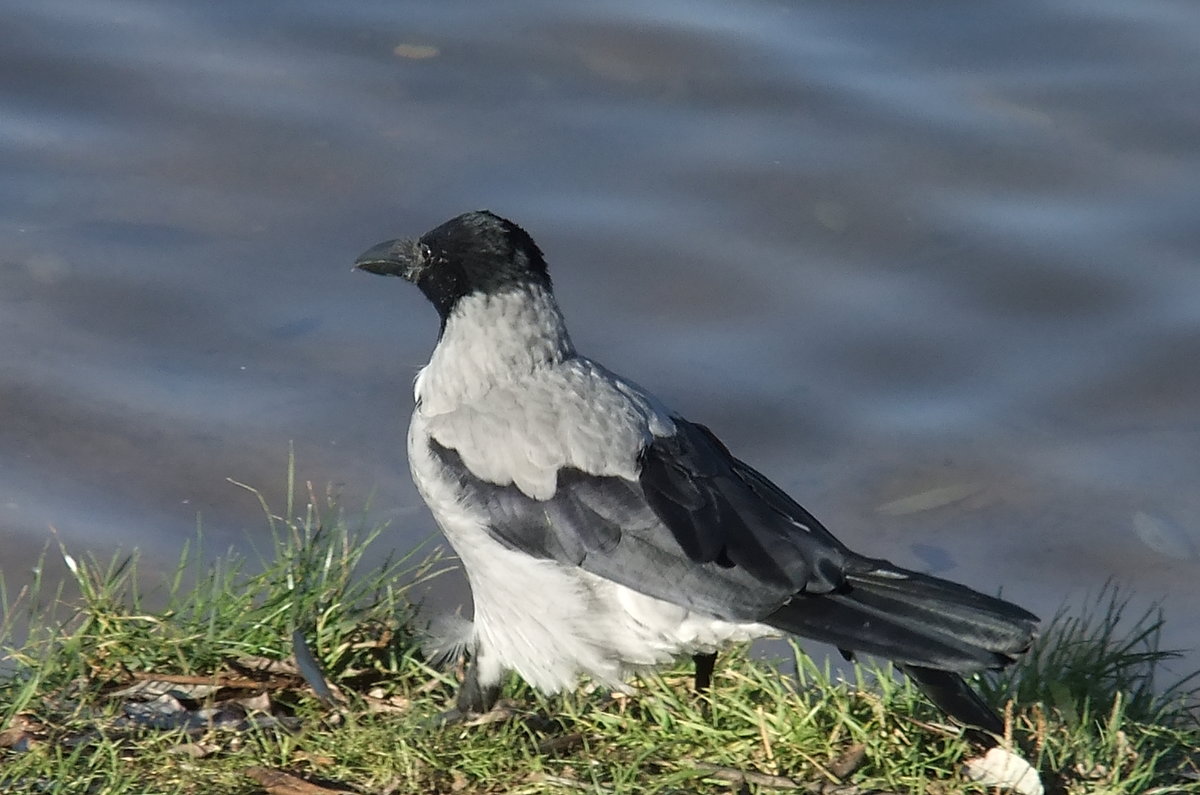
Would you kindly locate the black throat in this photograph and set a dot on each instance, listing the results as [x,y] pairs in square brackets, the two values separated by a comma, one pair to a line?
[478,252]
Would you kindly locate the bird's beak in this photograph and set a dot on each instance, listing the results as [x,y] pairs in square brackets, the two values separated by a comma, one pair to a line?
[404,258]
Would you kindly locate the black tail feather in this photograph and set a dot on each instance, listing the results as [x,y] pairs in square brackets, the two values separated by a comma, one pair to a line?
[952,695]
[934,629]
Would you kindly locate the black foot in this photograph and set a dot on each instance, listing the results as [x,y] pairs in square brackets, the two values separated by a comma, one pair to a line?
[451,717]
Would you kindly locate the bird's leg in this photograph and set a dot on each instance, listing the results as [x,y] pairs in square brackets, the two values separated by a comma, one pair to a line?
[472,701]
[474,698]
[704,670]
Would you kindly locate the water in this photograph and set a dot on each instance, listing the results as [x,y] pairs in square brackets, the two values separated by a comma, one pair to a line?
[933,267]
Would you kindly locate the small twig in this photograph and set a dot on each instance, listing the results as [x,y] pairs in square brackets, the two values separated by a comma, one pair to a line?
[280,782]
[503,711]
[736,776]
[572,783]
[238,682]
[944,729]
[765,737]
[820,768]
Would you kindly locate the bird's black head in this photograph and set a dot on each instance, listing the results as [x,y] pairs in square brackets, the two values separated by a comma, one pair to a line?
[477,252]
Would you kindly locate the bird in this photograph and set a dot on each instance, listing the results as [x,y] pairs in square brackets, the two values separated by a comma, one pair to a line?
[603,534]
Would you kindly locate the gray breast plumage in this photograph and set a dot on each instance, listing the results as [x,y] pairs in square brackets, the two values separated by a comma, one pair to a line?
[506,391]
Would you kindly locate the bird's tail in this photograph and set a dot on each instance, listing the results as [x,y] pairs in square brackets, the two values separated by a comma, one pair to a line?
[953,696]
[935,629]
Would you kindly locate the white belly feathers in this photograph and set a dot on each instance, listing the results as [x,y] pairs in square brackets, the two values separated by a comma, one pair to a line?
[551,623]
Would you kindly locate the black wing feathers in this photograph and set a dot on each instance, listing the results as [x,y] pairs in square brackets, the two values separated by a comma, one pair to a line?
[692,530]
[605,526]
[719,510]
[702,529]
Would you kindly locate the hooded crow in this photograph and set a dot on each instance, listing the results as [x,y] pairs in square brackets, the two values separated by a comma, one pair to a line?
[603,533]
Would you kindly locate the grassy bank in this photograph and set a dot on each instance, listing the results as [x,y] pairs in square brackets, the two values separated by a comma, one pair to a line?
[201,694]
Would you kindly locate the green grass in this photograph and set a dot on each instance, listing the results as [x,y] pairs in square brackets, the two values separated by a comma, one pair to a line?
[1085,708]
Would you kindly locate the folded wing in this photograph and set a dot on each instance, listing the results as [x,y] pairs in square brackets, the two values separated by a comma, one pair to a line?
[700,528]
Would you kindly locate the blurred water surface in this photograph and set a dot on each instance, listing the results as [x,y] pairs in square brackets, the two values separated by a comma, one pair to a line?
[933,267]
